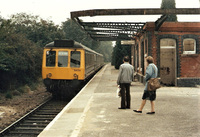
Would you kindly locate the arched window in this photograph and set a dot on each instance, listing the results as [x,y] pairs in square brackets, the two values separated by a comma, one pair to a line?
[167,43]
[189,46]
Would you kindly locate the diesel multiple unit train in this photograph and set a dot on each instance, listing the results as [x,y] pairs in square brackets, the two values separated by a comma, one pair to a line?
[66,64]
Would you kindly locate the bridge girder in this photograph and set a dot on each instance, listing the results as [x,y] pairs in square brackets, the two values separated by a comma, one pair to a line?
[123,30]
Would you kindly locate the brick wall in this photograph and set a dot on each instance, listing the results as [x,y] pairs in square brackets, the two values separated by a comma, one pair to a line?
[190,65]
[154,48]
[187,66]
[175,26]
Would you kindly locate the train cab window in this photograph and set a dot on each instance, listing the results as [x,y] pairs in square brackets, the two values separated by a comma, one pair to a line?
[50,58]
[75,59]
[62,58]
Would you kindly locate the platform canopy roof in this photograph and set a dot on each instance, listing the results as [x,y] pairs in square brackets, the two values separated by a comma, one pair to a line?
[123,30]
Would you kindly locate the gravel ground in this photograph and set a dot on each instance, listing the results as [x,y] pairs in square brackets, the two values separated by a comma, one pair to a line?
[13,109]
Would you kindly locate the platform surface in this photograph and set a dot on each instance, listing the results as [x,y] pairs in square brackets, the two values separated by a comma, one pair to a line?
[94,112]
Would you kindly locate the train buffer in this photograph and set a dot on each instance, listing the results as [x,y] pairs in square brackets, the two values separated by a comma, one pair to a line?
[94,112]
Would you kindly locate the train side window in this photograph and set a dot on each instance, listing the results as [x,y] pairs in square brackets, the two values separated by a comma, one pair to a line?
[62,58]
[75,59]
[50,58]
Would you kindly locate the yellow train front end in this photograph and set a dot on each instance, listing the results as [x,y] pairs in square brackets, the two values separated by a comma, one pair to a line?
[63,67]
[63,64]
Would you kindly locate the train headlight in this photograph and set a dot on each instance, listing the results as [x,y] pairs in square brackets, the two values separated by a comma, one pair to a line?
[75,76]
[49,75]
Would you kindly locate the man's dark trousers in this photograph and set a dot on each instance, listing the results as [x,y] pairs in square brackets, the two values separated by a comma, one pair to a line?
[125,95]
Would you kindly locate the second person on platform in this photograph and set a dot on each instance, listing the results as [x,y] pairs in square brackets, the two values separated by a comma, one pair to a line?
[125,78]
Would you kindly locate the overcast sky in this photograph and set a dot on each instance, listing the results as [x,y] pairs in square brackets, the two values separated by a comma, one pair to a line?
[59,10]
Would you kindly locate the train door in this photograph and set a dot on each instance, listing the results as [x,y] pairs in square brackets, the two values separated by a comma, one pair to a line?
[168,61]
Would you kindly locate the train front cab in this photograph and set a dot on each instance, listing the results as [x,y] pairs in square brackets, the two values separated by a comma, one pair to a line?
[62,65]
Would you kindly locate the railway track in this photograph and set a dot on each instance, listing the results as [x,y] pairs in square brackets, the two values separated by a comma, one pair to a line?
[32,124]
[35,121]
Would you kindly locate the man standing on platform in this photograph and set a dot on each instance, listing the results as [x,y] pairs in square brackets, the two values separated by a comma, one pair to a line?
[125,78]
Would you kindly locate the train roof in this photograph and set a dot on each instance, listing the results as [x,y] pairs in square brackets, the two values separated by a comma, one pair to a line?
[68,44]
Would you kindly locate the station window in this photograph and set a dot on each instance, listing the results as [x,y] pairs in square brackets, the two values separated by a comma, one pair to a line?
[50,58]
[167,43]
[189,46]
[75,59]
[62,59]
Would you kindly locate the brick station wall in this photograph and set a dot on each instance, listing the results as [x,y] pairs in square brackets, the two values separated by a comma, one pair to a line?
[188,66]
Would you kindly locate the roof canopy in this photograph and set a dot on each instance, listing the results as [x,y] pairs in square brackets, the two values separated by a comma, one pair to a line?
[112,31]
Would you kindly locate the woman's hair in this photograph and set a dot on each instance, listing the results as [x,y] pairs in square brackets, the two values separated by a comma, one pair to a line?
[149,59]
[126,58]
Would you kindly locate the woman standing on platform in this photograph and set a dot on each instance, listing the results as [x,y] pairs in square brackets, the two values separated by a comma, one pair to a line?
[151,72]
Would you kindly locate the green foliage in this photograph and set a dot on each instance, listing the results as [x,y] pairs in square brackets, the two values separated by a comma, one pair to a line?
[16,93]
[21,61]
[73,31]
[21,43]
[119,52]
[106,49]
[169,4]
[21,90]
[22,38]
[24,88]
[36,29]
[9,95]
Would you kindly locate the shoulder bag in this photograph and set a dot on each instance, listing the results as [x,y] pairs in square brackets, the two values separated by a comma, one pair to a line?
[153,83]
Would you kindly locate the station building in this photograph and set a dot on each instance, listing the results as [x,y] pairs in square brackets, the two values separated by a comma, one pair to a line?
[175,47]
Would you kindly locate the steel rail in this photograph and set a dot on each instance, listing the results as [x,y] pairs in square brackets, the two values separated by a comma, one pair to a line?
[11,126]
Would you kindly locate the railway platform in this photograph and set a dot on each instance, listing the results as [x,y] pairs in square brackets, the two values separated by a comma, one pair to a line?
[94,112]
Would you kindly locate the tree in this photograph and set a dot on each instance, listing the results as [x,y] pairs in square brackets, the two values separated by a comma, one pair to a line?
[106,49]
[74,32]
[21,43]
[118,55]
[20,59]
[36,29]
[169,4]
[119,52]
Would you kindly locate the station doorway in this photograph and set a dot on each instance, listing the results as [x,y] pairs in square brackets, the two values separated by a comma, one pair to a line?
[168,61]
